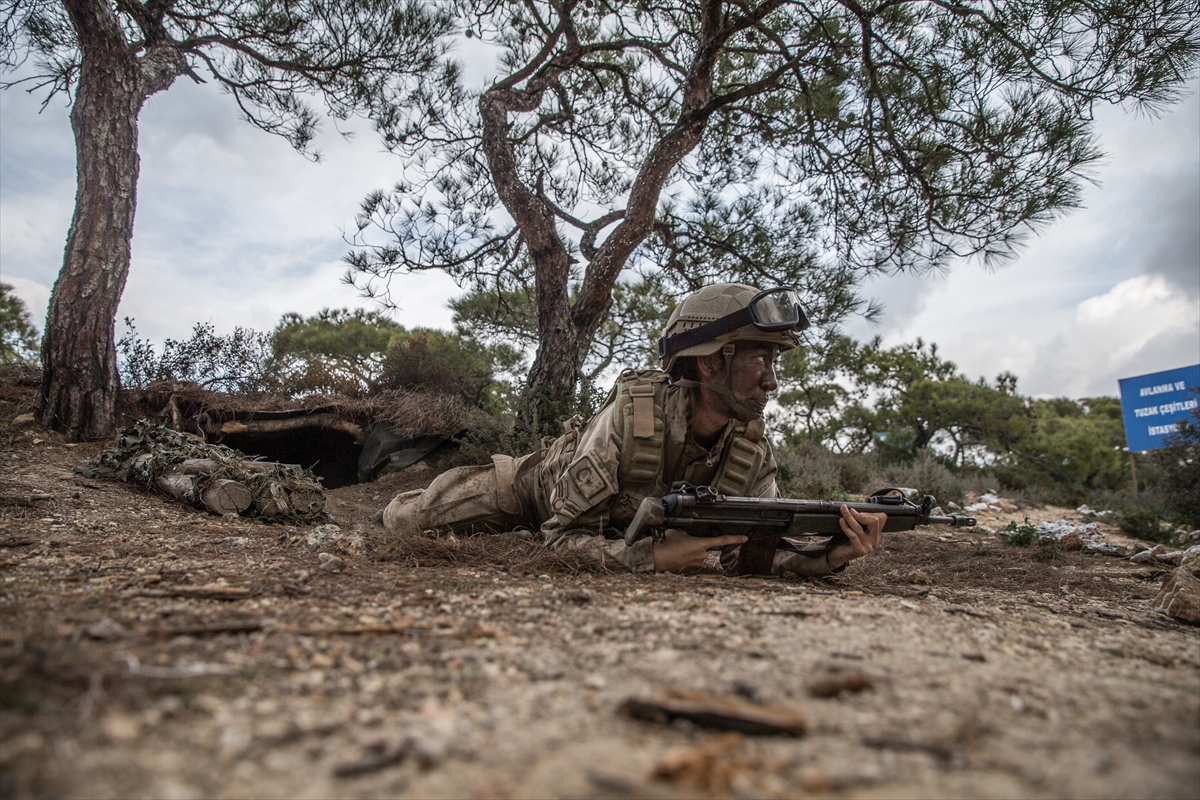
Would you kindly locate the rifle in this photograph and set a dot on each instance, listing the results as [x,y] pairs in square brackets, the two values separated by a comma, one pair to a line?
[700,511]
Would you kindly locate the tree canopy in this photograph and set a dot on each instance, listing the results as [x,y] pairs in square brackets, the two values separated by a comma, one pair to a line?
[686,141]
[271,56]
[18,336]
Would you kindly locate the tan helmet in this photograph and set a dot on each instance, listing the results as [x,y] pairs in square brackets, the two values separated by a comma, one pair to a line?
[710,318]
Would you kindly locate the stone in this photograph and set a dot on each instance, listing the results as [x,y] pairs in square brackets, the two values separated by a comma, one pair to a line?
[1106,549]
[1149,556]
[323,536]
[581,596]
[23,419]
[1179,595]
[351,543]
[106,629]
[1075,537]
[330,562]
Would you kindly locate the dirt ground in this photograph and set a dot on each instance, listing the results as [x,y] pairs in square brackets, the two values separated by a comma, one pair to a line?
[482,668]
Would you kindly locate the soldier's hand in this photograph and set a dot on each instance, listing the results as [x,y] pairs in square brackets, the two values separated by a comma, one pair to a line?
[678,552]
[863,530]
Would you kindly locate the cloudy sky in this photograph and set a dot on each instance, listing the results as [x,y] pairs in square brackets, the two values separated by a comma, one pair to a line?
[235,228]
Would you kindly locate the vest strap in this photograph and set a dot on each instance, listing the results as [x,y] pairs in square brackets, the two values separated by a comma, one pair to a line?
[643,410]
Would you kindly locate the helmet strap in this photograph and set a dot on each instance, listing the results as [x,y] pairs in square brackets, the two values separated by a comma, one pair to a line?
[736,408]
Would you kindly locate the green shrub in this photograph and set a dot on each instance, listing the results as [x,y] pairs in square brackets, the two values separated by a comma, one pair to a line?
[1021,535]
[810,471]
[1177,468]
[1142,517]
[927,473]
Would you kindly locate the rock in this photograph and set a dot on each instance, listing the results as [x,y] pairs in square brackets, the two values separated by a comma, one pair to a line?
[351,543]
[1149,556]
[23,419]
[1073,537]
[1188,538]
[989,497]
[581,596]
[1106,549]
[106,629]
[1071,541]
[839,682]
[427,751]
[330,562]
[323,536]
[1007,505]
[1179,595]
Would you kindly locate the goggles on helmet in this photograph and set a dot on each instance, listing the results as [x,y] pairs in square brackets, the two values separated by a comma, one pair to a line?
[770,311]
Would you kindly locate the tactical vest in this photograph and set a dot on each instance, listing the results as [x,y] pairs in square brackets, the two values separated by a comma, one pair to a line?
[638,401]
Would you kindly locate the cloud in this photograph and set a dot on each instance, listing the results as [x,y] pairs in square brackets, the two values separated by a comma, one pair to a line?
[1141,325]
[35,296]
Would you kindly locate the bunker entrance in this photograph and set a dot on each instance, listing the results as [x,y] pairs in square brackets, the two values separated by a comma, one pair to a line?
[330,453]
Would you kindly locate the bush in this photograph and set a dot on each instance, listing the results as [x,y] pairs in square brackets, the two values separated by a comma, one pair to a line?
[1024,535]
[810,471]
[1142,516]
[927,473]
[1178,470]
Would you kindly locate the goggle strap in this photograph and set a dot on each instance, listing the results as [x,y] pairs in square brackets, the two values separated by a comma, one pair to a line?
[667,345]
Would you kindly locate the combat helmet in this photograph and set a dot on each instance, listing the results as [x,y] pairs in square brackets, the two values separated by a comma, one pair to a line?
[715,318]
[725,313]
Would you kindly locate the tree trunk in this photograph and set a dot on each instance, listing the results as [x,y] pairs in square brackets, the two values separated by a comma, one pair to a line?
[79,358]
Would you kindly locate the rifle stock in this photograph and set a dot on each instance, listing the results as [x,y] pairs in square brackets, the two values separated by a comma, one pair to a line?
[700,511]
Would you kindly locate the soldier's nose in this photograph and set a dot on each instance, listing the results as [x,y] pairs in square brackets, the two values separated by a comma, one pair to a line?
[768,382]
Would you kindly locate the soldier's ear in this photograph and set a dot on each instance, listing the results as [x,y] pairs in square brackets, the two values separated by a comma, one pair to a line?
[710,366]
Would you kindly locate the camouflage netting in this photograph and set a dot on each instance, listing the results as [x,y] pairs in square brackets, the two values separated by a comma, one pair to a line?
[154,457]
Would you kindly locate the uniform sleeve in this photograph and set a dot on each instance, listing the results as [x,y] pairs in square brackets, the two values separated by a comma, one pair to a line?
[580,490]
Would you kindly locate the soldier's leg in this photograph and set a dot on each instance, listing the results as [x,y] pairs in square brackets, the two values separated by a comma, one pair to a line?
[464,500]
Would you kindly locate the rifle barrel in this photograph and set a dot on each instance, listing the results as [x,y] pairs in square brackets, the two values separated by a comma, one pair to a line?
[706,514]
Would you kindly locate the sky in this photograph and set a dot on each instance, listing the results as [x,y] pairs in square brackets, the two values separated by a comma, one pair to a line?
[233,227]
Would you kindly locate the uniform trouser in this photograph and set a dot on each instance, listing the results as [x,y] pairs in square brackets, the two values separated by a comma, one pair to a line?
[501,496]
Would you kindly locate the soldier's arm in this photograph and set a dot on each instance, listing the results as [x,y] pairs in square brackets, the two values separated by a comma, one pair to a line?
[580,489]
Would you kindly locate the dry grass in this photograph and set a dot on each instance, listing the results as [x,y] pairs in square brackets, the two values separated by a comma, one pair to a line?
[410,413]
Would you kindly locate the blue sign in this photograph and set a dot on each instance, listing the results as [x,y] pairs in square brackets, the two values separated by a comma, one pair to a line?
[1152,404]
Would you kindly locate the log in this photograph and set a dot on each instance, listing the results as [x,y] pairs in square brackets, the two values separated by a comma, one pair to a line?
[226,497]
[307,502]
[198,466]
[331,421]
[181,487]
[273,501]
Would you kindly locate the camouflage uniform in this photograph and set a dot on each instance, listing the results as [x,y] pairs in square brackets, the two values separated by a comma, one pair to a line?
[582,489]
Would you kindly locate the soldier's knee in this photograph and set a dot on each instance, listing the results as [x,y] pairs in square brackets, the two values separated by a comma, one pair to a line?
[400,516]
